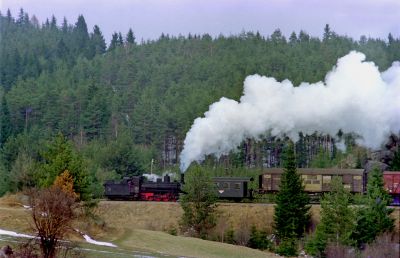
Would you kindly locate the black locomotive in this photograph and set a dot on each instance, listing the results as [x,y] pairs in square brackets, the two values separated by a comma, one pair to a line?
[139,189]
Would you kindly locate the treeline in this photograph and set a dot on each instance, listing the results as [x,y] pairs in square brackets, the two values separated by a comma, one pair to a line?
[129,103]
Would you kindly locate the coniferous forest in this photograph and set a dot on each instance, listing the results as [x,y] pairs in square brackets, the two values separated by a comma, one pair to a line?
[115,107]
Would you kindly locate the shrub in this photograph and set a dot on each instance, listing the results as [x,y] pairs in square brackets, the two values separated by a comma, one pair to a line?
[287,247]
[259,239]
[230,236]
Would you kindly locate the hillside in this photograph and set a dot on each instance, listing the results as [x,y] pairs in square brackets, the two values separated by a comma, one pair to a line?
[141,226]
[132,226]
[122,106]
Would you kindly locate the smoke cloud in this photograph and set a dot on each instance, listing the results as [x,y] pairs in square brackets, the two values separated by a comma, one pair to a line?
[355,97]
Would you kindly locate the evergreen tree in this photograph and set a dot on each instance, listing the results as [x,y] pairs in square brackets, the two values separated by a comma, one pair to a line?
[293,38]
[21,15]
[374,218]
[301,151]
[130,37]
[98,44]
[395,166]
[61,49]
[114,42]
[292,210]
[58,158]
[10,19]
[5,122]
[327,33]
[337,219]
[53,23]
[120,40]
[198,202]
[64,26]
[81,35]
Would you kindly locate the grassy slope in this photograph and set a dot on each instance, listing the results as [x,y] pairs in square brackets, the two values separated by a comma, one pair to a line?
[136,226]
[123,221]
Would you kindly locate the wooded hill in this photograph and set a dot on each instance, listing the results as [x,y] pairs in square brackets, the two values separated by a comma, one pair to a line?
[123,105]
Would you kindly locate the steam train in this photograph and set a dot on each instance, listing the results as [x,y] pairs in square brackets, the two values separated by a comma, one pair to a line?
[138,188]
[316,182]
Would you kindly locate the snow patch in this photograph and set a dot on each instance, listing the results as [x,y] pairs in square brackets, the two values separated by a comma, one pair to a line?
[14,234]
[94,242]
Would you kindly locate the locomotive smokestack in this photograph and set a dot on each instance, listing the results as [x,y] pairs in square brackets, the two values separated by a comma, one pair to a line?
[182,178]
[167,179]
[355,97]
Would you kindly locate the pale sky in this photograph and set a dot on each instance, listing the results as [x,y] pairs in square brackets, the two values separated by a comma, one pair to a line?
[150,18]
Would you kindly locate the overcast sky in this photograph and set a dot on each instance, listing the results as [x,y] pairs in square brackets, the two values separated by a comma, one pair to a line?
[149,18]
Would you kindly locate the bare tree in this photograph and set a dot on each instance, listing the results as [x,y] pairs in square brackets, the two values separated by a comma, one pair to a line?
[52,214]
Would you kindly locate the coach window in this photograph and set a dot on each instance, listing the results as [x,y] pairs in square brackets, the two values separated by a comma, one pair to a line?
[237,186]
[226,185]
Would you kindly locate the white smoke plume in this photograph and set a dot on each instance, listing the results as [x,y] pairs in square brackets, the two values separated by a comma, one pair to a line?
[355,97]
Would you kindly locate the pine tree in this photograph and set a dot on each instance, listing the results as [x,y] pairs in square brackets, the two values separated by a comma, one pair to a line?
[374,218]
[81,35]
[98,44]
[64,26]
[293,38]
[20,20]
[198,202]
[292,209]
[10,19]
[5,122]
[327,33]
[395,166]
[120,41]
[53,23]
[114,42]
[130,37]
[59,157]
[337,219]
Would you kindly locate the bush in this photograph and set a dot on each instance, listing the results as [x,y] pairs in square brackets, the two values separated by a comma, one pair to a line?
[287,247]
[172,231]
[230,236]
[259,239]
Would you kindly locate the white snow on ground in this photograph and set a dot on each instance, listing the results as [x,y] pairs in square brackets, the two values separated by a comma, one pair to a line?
[87,238]
[92,241]
[14,234]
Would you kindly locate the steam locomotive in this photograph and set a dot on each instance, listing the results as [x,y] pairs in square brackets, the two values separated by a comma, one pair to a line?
[316,182]
[137,188]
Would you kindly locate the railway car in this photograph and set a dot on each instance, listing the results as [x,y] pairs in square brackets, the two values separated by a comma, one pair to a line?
[233,188]
[392,185]
[316,181]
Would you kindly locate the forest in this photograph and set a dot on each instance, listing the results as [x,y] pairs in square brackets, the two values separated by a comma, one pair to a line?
[108,111]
